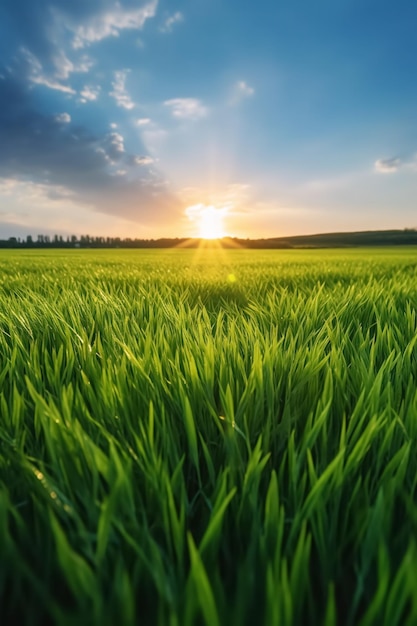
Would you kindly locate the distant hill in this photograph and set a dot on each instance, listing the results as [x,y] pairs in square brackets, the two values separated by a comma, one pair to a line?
[405,237]
[369,238]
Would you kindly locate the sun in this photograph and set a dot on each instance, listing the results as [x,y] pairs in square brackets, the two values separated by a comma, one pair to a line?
[209,220]
[211,223]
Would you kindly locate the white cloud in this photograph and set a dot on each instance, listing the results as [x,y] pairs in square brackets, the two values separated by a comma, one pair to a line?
[387,166]
[89,93]
[119,92]
[143,160]
[8,185]
[169,23]
[30,190]
[64,66]
[34,65]
[111,23]
[63,118]
[143,121]
[55,209]
[244,89]
[38,77]
[52,84]
[112,148]
[394,164]
[100,150]
[186,108]
[241,90]
[117,143]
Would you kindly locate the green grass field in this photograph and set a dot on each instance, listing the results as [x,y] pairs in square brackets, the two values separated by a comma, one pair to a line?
[208,438]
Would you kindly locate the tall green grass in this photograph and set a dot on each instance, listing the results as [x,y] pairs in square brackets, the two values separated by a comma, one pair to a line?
[227,438]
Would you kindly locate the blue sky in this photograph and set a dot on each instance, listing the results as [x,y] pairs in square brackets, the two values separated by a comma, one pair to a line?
[144,119]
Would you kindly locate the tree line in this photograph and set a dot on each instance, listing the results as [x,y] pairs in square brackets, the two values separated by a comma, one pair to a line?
[407,236]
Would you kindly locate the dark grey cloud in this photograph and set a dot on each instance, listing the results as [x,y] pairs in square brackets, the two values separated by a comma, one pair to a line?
[96,169]
[404,162]
[43,44]
[388,166]
[33,143]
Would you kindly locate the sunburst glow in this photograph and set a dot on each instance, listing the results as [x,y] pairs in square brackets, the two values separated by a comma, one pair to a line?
[209,219]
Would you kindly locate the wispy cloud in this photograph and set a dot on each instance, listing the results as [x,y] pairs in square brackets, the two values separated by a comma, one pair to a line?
[143,121]
[119,92]
[110,23]
[186,108]
[60,69]
[52,84]
[36,74]
[170,22]
[143,160]
[241,91]
[116,146]
[89,93]
[388,166]
[63,118]
[64,67]
[244,89]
